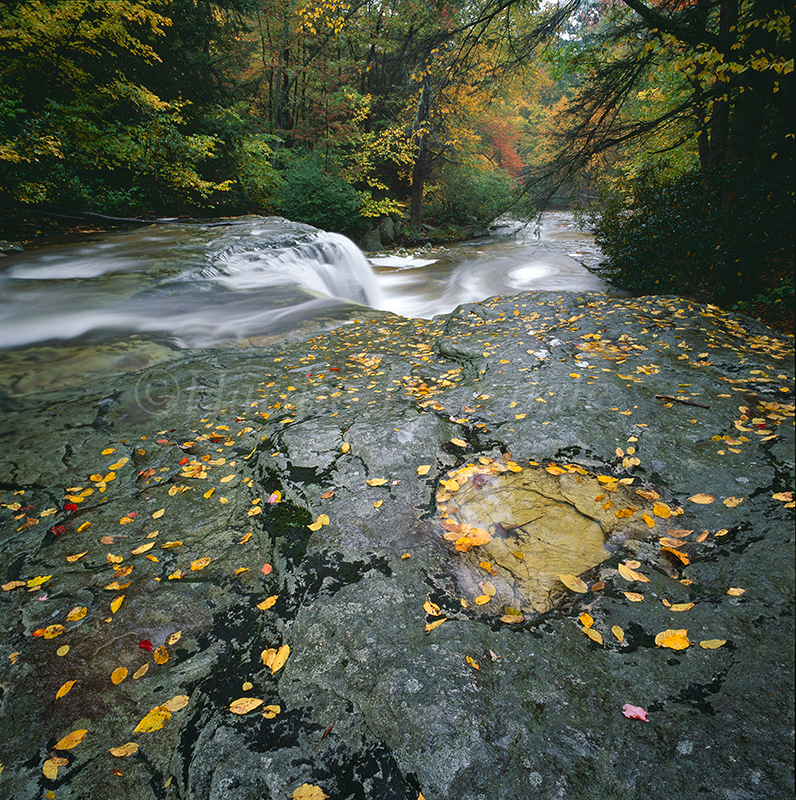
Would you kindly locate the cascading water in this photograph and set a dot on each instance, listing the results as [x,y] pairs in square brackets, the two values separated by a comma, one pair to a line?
[186,283]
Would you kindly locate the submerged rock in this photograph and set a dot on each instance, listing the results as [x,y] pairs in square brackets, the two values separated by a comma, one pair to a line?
[469,533]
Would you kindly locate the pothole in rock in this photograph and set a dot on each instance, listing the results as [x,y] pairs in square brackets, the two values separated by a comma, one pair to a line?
[517,529]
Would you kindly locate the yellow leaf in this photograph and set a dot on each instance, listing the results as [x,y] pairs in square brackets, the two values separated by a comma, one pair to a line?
[631,575]
[78,612]
[376,481]
[649,520]
[732,502]
[734,591]
[125,750]
[142,549]
[459,442]
[378,504]
[482,599]
[275,659]
[141,671]
[648,494]
[662,510]
[255,510]
[269,712]
[309,792]
[574,583]
[345,447]
[623,513]
[634,597]
[200,563]
[268,602]
[71,739]
[673,639]
[51,631]
[423,469]
[472,662]
[160,655]
[431,608]
[76,557]
[682,556]
[50,769]
[154,720]
[435,624]
[62,650]
[512,618]
[618,632]
[118,675]
[64,689]
[586,620]
[169,545]
[712,644]
[174,638]
[112,559]
[246,538]
[593,635]
[227,478]
[159,513]
[489,589]
[116,603]
[34,583]
[244,705]
[702,499]
[681,606]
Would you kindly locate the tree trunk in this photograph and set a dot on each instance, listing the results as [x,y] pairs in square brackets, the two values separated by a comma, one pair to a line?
[421,161]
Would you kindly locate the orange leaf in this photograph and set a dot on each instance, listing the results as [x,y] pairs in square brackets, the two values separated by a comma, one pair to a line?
[71,739]
[160,655]
[64,689]
[118,675]
[154,720]
[673,639]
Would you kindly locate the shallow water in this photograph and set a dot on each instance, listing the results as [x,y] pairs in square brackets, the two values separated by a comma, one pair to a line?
[122,301]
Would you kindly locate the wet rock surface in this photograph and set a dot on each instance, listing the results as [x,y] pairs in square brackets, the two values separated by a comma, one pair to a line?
[395,501]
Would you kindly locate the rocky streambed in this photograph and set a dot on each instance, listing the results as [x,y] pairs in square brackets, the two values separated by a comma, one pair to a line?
[539,547]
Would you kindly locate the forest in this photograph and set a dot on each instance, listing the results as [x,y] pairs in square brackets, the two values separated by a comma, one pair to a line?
[667,124]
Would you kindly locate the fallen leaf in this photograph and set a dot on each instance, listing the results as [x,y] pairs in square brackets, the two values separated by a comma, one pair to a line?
[160,655]
[586,620]
[681,606]
[677,554]
[634,712]
[574,583]
[634,597]
[459,442]
[269,712]
[472,662]
[376,481]
[244,705]
[174,638]
[116,603]
[266,569]
[71,739]
[200,563]
[268,602]
[712,644]
[65,688]
[618,632]
[435,624]
[734,591]
[662,510]
[482,599]
[275,659]
[246,538]
[78,612]
[702,499]
[673,639]
[76,557]
[62,650]
[118,675]
[593,635]
[158,514]
[141,671]
[125,750]
[142,549]
[631,575]
[50,769]
[309,792]
[154,720]
[512,618]
[7,587]
[423,469]
[648,494]
[732,502]
[431,608]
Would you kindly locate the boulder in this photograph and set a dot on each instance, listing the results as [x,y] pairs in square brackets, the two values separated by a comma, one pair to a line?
[539,547]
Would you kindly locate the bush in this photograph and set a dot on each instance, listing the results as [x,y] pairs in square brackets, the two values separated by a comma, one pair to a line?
[724,235]
[467,194]
[316,197]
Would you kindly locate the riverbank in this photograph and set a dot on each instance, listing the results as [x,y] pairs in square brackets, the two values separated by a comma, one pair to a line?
[343,562]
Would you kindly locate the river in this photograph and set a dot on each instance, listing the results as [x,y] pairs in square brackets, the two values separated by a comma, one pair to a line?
[121,301]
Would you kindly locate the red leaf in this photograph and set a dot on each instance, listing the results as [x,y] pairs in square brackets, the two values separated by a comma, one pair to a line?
[57,530]
[334,369]
[184,460]
[70,506]
[266,570]
[162,441]
[145,644]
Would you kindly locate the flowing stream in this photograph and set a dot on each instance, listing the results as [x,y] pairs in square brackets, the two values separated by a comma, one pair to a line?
[122,301]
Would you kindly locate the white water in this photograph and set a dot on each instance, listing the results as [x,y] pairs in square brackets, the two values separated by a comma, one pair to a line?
[120,301]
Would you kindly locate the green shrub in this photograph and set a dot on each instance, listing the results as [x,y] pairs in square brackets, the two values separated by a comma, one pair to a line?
[317,197]
[724,235]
